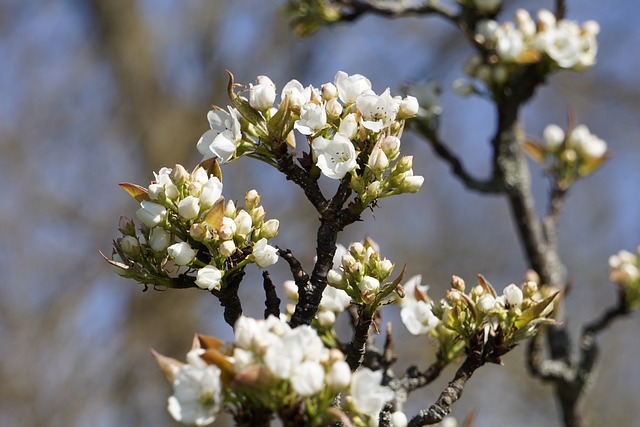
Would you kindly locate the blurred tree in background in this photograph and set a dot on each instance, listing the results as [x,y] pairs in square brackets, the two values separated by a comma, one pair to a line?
[97,92]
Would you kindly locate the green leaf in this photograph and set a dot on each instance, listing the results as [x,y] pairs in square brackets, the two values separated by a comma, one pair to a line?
[534,312]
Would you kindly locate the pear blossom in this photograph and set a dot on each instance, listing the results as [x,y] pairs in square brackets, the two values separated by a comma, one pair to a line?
[369,396]
[220,141]
[209,278]
[228,228]
[308,378]
[339,376]
[513,295]
[264,254]
[159,239]
[182,253]
[586,144]
[486,303]
[211,192]
[333,108]
[227,248]
[411,183]
[369,287]
[378,161]
[270,228]
[163,184]
[150,213]
[243,223]
[335,300]
[328,91]
[350,87]
[298,95]
[378,112]
[335,157]
[197,395]
[416,312]
[262,94]
[562,43]
[349,126]
[189,207]
[399,419]
[313,117]
[130,245]
[510,44]
[408,108]
[553,136]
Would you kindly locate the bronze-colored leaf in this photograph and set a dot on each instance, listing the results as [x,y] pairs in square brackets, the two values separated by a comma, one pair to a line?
[169,366]
[137,192]
[211,166]
[215,214]
[208,342]
[535,151]
[214,357]
[486,285]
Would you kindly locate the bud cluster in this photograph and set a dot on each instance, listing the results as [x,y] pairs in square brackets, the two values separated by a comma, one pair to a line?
[557,44]
[625,272]
[273,368]
[362,272]
[479,320]
[568,155]
[350,129]
[186,223]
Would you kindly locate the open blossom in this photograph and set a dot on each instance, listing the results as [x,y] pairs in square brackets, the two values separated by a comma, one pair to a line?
[313,117]
[308,378]
[197,395]
[416,312]
[350,87]
[378,112]
[264,254]
[163,184]
[189,207]
[159,239]
[220,141]
[586,144]
[368,394]
[335,157]
[298,95]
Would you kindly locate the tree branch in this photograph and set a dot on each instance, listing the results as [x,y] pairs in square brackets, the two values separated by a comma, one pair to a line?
[353,9]
[272,302]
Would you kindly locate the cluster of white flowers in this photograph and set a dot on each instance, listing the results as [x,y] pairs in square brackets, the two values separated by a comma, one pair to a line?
[458,319]
[563,43]
[184,213]
[341,119]
[361,273]
[625,271]
[568,155]
[271,363]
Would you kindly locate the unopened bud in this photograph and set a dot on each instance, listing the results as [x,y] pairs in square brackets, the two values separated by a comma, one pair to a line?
[126,226]
[270,229]
[251,199]
[457,283]
[130,246]
[179,175]
[333,108]
[329,91]
[257,215]
[227,248]
[405,164]
[230,209]
[199,232]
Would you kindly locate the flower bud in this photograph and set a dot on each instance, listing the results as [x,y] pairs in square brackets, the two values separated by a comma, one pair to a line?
[243,224]
[227,248]
[150,213]
[513,295]
[270,229]
[257,215]
[264,254]
[209,277]
[230,209]
[251,199]
[126,226]
[378,161]
[227,229]
[553,137]
[385,267]
[339,376]
[358,250]
[179,175]
[369,287]
[189,207]
[486,303]
[159,239]
[200,232]
[457,283]
[329,91]
[336,279]
[349,126]
[408,108]
[130,246]
[290,290]
[182,253]
[326,318]
[412,184]
[333,108]
[529,288]
[405,164]
[194,188]
[391,146]
[373,190]
[263,94]
[399,419]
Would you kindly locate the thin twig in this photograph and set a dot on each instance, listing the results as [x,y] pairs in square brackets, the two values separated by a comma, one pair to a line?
[272,302]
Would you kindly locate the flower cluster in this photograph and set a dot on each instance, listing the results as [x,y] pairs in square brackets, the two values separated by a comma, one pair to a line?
[480,320]
[625,272]
[272,367]
[350,129]
[362,272]
[556,43]
[568,155]
[188,228]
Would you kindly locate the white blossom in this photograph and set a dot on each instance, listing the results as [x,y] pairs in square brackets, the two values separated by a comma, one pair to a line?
[369,287]
[486,303]
[159,239]
[369,396]
[513,295]
[243,223]
[335,157]
[211,192]
[298,95]
[399,419]
[553,137]
[307,378]
[197,394]
[416,313]
[220,141]
[586,144]
[262,94]
[350,87]
[378,112]
[264,254]
[339,376]
[182,253]
[209,277]
[349,126]
[189,207]
[150,213]
[313,117]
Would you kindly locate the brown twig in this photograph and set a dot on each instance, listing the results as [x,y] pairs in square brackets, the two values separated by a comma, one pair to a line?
[272,302]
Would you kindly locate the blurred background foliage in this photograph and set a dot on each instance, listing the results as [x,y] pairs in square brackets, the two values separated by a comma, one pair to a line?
[96,92]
